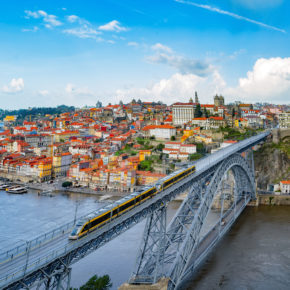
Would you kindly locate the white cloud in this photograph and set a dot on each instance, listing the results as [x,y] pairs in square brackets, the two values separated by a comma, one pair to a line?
[268,81]
[72,18]
[183,64]
[83,31]
[34,29]
[133,43]
[43,93]
[258,4]
[178,87]
[15,86]
[113,26]
[49,20]
[161,47]
[233,15]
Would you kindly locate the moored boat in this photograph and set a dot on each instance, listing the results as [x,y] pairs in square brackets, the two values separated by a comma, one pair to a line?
[3,186]
[17,190]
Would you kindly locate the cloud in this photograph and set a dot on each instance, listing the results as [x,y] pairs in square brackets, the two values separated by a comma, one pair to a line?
[133,43]
[49,20]
[258,4]
[15,86]
[84,28]
[269,80]
[34,29]
[236,16]
[161,47]
[43,93]
[83,32]
[183,64]
[72,18]
[178,87]
[113,26]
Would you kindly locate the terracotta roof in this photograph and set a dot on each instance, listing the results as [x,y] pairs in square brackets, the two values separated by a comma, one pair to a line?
[285,181]
[151,127]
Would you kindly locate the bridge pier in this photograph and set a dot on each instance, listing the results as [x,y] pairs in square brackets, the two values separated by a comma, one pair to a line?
[162,284]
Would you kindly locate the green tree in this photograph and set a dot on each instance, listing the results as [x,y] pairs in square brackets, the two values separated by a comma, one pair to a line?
[195,156]
[96,283]
[160,147]
[172,138]
[205,113]
[233,116]
[67,184]
[145,165]
[197,112]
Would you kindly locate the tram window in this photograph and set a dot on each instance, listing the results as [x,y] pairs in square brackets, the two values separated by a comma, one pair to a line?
[85,228]
[95,222]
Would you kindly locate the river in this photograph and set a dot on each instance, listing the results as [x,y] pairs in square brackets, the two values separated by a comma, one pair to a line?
[255,254]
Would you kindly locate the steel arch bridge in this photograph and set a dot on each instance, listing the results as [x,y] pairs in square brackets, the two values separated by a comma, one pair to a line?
[224,181]
[177,250]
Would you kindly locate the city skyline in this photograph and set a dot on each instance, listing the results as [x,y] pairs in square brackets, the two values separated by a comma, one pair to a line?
[67,53]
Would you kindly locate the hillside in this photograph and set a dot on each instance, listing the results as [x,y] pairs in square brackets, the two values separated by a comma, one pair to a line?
[272,163]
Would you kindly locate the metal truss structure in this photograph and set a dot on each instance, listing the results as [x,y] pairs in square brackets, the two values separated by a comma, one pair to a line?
[176,251]
[172,250]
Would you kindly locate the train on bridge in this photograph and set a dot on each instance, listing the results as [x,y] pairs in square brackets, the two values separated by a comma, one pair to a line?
[95,221]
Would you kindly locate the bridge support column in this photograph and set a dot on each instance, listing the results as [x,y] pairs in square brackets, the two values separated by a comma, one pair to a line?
[153,243]
[63,280]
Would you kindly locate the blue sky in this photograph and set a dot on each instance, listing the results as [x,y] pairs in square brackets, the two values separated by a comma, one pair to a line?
[78,52]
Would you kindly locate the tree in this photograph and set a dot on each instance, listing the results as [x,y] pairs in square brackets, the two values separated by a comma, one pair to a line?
[194,156]
[205,113]
[172,138]
[67,184]
[197,112]
[139,102]
[233,116]
[145,165]
[160,147]
[97,283]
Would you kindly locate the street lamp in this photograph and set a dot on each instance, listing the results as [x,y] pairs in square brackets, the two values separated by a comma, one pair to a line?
[78,202]
[28,245]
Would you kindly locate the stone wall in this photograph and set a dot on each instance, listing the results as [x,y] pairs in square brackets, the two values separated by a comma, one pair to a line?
[272,199]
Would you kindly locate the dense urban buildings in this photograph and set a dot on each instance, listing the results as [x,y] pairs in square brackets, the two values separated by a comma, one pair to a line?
[121,146]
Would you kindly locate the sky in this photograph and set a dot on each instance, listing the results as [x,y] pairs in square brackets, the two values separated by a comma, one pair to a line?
[78,52]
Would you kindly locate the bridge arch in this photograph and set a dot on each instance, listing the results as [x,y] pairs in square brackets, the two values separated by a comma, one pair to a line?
[167,251]
[244,185]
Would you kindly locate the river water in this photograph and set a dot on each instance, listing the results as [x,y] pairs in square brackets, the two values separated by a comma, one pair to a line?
[255,254]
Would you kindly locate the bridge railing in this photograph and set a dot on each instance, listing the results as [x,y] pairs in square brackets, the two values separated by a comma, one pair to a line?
[227,151]
[36,242]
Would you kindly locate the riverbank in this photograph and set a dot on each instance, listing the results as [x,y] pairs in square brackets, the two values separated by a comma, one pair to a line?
[273,199]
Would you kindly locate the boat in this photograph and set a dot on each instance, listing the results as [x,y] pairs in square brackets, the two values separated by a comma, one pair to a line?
[3,186]
[17,190]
